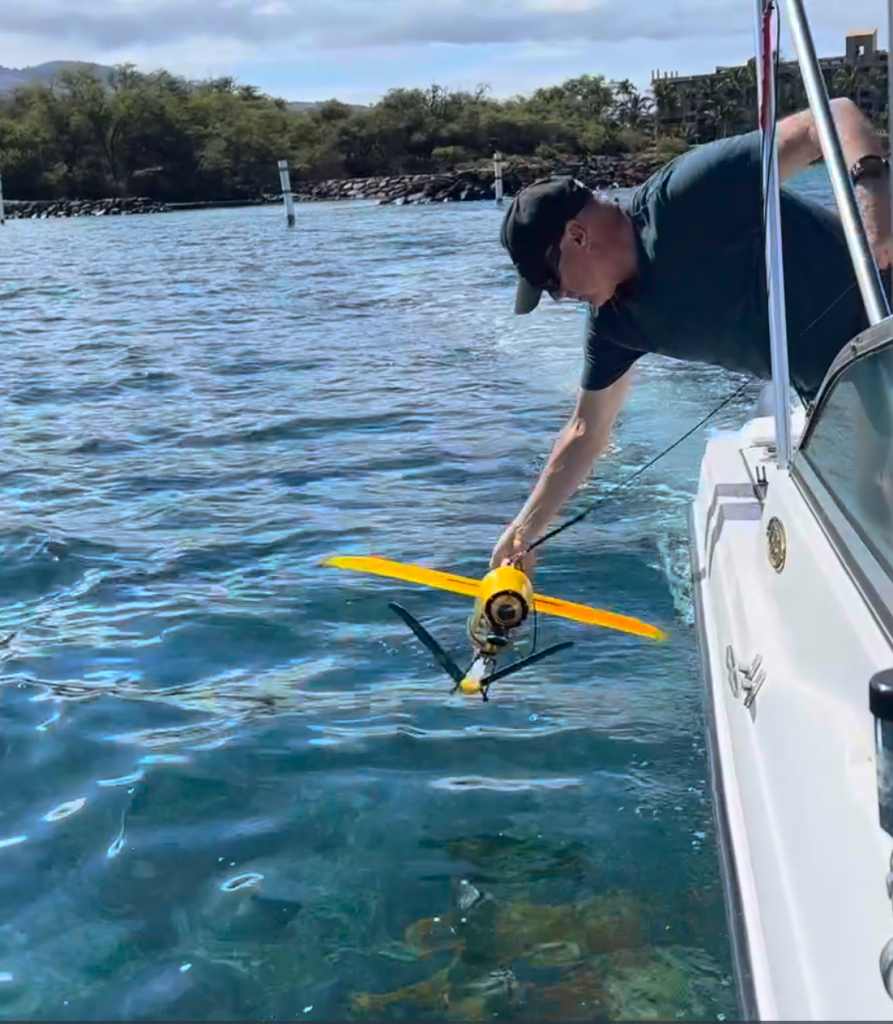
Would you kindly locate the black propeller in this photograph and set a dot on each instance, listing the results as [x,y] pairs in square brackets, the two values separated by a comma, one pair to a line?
[443,659]
[452,669]
[516,666]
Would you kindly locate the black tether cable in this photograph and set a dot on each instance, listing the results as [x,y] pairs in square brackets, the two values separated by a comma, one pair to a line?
[592,505]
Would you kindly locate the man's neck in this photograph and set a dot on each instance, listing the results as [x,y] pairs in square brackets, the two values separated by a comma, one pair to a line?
[631,263]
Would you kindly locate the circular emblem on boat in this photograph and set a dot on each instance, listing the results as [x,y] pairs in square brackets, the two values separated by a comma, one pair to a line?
[778,544]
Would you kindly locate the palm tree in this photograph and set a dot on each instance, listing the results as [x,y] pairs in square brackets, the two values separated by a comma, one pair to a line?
[791,91]
[726,115]
[637,110]
[877,90]
[845,82]
[742,88]
[665,101]
[624,92]
[729,98]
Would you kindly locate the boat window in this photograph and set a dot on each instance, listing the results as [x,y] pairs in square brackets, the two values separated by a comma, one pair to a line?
[849,447]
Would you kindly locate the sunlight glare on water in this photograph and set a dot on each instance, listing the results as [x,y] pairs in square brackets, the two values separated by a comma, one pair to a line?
[235,785]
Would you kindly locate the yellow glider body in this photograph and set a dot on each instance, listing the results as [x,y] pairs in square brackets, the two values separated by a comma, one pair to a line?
[472,588]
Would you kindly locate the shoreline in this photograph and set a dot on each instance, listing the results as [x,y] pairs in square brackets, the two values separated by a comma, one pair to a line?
[467,185]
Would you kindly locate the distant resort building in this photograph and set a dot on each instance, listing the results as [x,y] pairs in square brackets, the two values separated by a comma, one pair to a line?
[705,107]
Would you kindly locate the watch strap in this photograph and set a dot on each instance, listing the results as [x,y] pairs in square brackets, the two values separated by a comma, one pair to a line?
[870,168]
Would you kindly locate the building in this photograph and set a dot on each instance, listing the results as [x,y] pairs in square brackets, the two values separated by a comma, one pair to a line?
[724,102]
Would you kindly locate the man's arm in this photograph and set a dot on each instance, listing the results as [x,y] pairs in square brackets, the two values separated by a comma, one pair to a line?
[582,441]
[798,138]
[721,181]
[799,146]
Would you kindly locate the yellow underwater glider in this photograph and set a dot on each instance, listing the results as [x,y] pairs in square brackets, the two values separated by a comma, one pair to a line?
[503,600]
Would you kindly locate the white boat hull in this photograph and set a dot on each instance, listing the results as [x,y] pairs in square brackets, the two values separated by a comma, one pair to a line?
[805,860]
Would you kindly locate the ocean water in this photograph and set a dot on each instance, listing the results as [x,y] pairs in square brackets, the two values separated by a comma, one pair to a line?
[234,784]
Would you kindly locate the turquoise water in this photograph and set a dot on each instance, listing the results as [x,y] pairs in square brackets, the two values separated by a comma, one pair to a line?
[235,786]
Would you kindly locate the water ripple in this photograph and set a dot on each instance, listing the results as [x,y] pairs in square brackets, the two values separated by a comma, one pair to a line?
[231,777]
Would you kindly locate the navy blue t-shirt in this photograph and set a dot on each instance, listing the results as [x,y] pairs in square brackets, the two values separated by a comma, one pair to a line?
[700,295]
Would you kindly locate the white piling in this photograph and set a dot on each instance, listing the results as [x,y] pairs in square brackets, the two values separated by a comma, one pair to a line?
[497,171]
[2,211]
[285,181]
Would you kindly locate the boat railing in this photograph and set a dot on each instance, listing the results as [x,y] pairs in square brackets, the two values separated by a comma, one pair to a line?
[772,213]
[864,265]
[842,464]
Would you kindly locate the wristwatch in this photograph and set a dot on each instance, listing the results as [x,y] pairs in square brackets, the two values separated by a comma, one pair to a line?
[870,168]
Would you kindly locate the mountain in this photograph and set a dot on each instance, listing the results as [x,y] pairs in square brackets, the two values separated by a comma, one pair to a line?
[11,78]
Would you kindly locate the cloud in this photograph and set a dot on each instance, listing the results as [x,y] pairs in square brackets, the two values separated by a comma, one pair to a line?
[463,25]
[110,25]
[360,48]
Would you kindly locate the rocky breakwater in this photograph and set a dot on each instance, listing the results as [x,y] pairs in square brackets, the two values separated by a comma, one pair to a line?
[41,209]
[468,185]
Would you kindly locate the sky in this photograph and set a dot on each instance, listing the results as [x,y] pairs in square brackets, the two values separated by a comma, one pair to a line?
[356,50]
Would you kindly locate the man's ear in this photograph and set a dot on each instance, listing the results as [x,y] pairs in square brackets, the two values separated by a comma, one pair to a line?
[577,234]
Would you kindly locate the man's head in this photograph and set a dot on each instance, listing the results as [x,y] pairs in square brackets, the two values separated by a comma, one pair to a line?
[565,241]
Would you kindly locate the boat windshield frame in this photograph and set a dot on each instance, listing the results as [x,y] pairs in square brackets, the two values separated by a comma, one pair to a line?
[864,568]
[873,339]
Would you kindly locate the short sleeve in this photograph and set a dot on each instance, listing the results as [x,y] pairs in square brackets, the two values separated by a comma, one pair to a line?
[605,359]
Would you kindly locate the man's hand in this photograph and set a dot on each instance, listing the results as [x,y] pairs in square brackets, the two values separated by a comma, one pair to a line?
[508,549]
[874,200]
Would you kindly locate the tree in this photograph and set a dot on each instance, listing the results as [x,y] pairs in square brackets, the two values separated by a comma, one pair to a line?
[588,97]
[665,102]
[163,136]
[629,108]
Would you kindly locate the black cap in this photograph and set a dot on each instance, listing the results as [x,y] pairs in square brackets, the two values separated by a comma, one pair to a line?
[534,221]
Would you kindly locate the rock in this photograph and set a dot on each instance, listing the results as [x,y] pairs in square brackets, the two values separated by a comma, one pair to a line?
[46,209]
[469,185]
[472,185]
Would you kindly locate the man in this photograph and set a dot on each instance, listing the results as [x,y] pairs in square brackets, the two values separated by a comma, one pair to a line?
[680,270]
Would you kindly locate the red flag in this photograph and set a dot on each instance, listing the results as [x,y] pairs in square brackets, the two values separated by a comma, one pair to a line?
[765,56]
